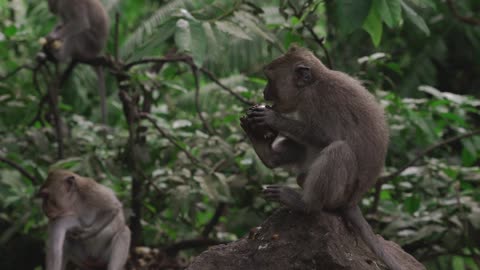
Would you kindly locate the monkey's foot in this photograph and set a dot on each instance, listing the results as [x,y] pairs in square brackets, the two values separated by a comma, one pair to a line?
[286,196]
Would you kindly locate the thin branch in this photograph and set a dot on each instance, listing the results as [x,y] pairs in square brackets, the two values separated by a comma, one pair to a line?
[173,141]
[19,168]
[179,58]
[224,87]
[115,40]
[214,220]
[320,41]
[384,179]
[468,20]
[428,151]
[15,71]
[206,126]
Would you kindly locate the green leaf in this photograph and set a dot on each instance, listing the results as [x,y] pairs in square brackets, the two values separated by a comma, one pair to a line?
[199,43]
[415,18]
[412,204]
[10,31]
[351,14]
[390,10]
[182,36]
[232,29]
[373,25]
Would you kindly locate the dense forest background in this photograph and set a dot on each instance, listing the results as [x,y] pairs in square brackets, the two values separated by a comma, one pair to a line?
[186,174]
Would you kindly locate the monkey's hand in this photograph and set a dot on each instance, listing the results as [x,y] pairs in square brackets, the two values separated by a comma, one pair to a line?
[286,196]
[262,116]
[257,134]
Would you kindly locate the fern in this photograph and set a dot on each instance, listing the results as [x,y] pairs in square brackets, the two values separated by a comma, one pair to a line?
[148,27]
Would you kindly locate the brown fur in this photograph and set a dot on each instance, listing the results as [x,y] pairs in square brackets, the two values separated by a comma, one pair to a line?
[332,134]
[83,32]
[86,222]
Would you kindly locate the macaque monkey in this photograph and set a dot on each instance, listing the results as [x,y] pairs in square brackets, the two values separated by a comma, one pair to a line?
[81,35]
[86,223]
[331,133]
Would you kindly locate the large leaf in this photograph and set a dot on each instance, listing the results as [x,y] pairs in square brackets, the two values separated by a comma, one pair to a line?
[415,18]
[373,25]
[390,11]
[183,38]
[351,14]
[232,29]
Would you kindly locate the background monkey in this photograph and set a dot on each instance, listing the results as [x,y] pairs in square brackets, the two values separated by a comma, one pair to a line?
[80,35]
[332,134]
[86,223]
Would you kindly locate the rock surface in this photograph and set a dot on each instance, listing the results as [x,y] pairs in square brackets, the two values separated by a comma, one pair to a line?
[288,240]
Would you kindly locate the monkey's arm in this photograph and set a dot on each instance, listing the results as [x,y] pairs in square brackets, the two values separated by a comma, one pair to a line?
[102,219]
[293,129]
[56,237]
[284,152]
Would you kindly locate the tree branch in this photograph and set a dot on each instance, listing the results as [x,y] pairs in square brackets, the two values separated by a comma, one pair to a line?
[20,169]
[224,87]
[468,20]
[384,179]
[214,220]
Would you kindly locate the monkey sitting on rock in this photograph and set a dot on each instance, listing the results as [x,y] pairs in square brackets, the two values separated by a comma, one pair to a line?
[86,223]
[329,130]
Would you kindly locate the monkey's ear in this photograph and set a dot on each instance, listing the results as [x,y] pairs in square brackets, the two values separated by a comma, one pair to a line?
[71,183]
[303,75]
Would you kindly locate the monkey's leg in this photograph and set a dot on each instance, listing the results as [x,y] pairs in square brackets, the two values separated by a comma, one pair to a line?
[120,248]
[331,177]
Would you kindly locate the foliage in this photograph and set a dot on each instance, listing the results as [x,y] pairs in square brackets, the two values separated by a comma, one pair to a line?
[422,66]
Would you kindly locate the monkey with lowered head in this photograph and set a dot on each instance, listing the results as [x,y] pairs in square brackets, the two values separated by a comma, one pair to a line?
[331,133]
[80,35]
[86,223]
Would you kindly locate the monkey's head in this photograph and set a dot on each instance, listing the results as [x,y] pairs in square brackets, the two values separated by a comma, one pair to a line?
[289,76]
[59,194]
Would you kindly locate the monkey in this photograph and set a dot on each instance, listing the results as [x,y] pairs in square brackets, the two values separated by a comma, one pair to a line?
[86,225]
[331,133]
[80,35]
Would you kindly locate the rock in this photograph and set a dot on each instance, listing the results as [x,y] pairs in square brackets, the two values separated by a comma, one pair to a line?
[288,240]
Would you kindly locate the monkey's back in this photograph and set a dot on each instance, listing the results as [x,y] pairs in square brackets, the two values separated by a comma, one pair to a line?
[97,33]
[348,112]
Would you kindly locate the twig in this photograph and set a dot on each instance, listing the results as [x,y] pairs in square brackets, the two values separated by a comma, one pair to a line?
[179,58]
[52,92]
[320,41]
[384,179]
[426,152]
[206,126]
[115,40]
[224,87]
[164,134]
[19,168]
[13,72]
[214,220]
[468,20]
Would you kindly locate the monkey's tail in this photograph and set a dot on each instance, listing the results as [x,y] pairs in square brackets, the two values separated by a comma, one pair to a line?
[355,217]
